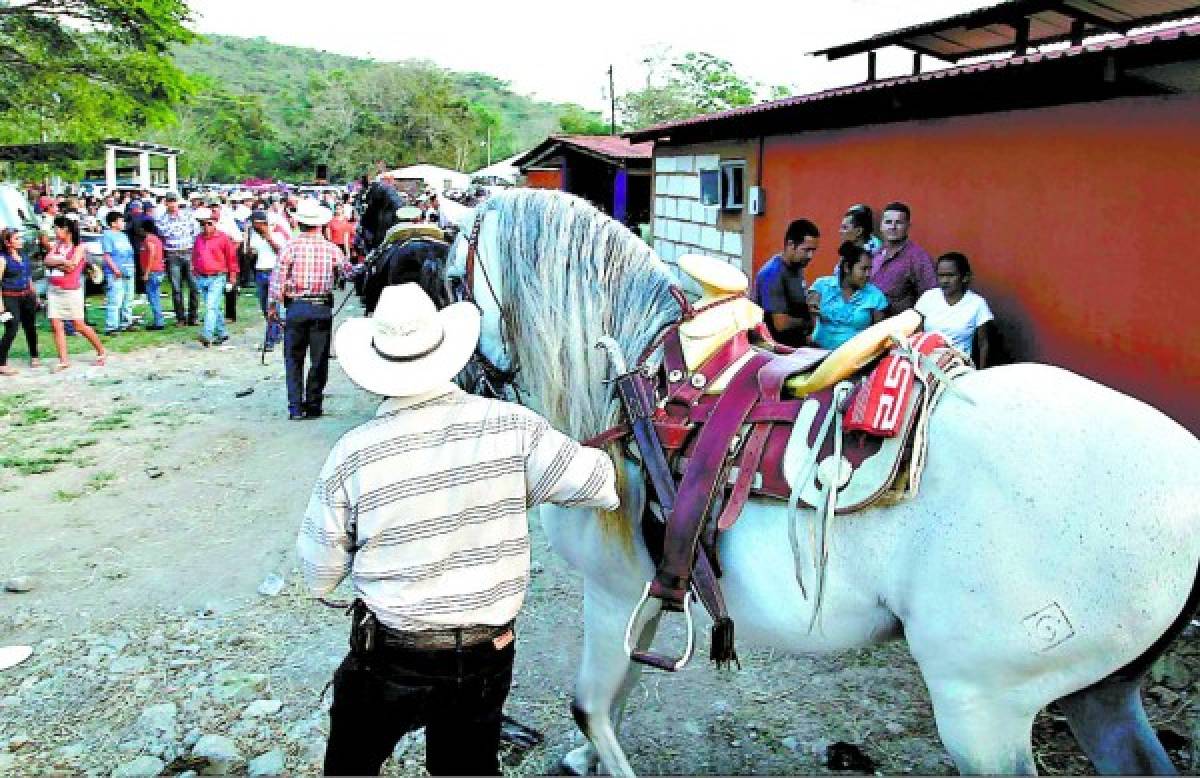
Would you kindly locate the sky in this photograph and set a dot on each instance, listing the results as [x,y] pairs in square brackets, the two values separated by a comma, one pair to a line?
[561,51]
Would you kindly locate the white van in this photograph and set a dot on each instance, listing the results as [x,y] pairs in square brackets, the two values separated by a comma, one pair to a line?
[16,213]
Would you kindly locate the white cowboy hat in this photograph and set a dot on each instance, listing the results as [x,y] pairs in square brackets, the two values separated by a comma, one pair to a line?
[312,213]
[408,347]
[202,214]
[715,276]
[408,213]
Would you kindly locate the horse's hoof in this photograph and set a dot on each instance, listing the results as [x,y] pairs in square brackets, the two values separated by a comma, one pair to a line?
[576,762]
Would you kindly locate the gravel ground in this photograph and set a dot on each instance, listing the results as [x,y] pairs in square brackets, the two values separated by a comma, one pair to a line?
[167,501]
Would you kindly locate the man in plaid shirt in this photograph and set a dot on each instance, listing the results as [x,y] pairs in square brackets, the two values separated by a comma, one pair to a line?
[303,281]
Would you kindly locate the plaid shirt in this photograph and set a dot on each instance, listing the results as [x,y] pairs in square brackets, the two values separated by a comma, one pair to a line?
[306,266]
[178,232]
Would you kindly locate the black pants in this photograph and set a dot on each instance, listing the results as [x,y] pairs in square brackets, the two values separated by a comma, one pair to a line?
[307,330]
[179,270]
[231,303]
[24,311]
[456,695]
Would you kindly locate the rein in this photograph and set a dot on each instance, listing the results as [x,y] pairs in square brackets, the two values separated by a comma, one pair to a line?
[495,378]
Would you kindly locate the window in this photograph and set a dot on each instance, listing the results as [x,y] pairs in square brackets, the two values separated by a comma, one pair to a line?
[710,187]
[733,185]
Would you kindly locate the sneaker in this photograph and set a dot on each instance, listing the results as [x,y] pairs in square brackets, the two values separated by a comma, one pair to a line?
[204,341]
[314,414]
[295,416]
[220,339]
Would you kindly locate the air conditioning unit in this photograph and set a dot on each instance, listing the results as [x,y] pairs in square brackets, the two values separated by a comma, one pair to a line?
[756,201]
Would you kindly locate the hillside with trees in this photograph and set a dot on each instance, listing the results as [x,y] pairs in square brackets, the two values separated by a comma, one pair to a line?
[271,110]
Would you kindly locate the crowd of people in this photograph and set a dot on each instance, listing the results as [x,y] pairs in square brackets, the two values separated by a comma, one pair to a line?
[879,273]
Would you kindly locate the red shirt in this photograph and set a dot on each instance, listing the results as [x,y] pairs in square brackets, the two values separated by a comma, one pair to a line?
[340,231]
[216,254]
[70,280]
[151,255]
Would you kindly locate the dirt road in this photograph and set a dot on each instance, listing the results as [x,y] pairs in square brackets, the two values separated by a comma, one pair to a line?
[169,495]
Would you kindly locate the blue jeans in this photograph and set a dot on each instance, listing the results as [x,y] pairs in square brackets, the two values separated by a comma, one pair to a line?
[212,290]
[119,298]
[154,296]
[262,282]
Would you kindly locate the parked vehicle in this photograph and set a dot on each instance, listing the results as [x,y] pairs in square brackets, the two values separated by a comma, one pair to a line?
[16,213]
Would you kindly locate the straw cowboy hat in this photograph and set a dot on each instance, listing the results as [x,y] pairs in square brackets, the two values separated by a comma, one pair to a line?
[408,347]
[715,277]
[312,213]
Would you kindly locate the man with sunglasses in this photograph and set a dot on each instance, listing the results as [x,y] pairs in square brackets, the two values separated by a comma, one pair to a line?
[215,262]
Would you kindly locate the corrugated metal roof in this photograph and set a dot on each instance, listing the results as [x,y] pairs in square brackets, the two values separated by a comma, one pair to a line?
[994,28]
[1144,39]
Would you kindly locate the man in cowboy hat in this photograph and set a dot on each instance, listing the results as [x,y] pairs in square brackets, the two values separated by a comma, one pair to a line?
[303,281]
[424,507]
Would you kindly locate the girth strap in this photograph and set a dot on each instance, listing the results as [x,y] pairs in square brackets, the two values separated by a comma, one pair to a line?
[701,483]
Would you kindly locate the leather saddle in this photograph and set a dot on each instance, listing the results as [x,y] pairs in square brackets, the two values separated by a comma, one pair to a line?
[748,440]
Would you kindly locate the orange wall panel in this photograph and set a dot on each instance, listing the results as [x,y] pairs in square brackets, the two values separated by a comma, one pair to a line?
[544,179]
[1079,222]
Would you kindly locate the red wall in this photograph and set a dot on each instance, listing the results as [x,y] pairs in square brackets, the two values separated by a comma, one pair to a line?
[544,179]
[1080,223]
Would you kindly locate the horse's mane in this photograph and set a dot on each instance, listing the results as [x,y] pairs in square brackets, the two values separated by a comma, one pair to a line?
[572,274]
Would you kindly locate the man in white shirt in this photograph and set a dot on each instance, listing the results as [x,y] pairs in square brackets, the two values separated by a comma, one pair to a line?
[425,508]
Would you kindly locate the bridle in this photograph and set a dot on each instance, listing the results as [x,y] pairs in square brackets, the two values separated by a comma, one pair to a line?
[493,379]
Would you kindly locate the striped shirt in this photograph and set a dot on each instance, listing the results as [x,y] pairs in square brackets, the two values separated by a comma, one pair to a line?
[178,232]
[425,507]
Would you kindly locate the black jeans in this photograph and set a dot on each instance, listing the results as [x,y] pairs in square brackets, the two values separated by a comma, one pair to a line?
[456,695]
[24,311]
[307,330]
[179,269]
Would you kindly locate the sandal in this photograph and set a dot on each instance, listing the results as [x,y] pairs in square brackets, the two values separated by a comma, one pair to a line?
[101,358]
[6,370]
[35,362]
[61,366]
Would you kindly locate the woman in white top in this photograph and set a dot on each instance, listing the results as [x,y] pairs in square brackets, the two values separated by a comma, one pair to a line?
[955,311]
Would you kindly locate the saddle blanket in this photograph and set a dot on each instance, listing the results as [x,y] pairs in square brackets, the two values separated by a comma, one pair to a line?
[878,404]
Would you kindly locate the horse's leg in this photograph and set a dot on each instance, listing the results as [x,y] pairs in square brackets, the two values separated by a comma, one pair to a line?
[1110,724]
[985,733]
[606,676]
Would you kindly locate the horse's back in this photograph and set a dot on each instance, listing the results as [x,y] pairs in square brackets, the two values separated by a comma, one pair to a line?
[1057,522]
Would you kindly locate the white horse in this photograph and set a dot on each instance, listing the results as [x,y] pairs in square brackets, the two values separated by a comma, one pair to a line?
[1051,554]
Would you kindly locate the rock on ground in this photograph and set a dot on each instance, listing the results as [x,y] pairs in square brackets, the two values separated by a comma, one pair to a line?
[270,763]
[221,754]
[142,766]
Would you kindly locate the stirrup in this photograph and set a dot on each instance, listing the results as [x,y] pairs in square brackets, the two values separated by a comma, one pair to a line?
[650,658]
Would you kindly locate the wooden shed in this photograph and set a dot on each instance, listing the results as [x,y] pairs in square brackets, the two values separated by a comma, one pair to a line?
[608,171]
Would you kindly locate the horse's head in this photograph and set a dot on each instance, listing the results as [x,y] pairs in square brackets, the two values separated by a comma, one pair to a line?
[471,273]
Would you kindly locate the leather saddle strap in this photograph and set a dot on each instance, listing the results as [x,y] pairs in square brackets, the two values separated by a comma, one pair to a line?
[748,463]
[730,351]
[700,484]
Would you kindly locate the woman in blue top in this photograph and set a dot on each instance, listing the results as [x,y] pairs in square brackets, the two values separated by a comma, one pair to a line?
[18,301]
[846,303]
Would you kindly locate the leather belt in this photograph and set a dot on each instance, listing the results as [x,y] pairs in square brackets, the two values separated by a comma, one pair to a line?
[319,299]
[441,639]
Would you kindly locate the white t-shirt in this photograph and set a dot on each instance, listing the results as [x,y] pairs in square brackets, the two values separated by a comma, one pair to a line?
[957,322]
[266,253]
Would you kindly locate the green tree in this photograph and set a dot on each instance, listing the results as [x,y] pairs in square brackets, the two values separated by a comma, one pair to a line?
[576,120]
[84,69]
[697,83]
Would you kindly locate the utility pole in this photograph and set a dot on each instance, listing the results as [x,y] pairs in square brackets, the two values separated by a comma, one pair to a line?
[612,96]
